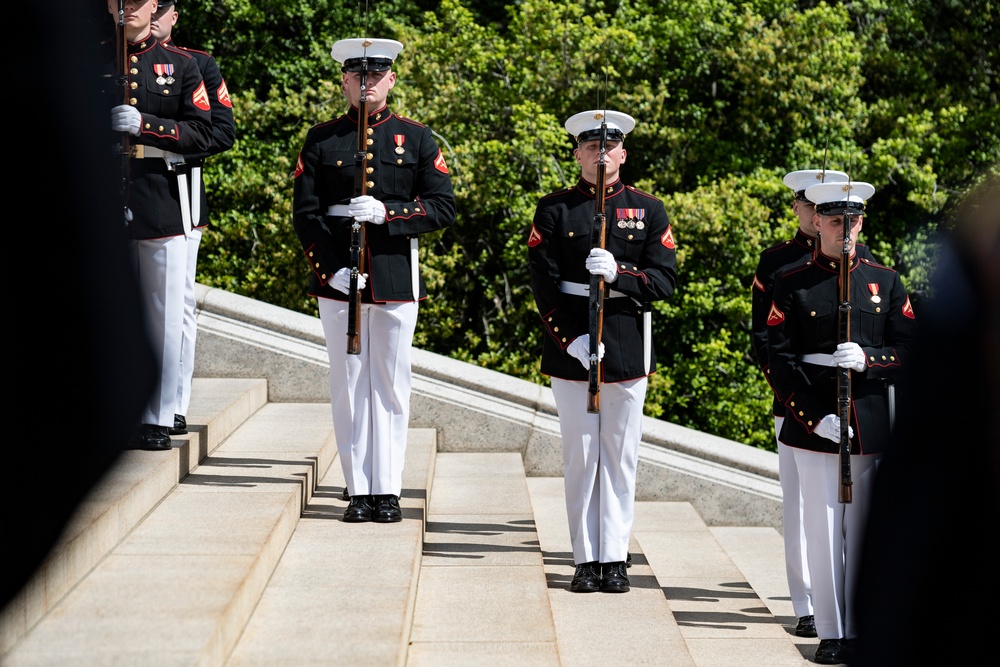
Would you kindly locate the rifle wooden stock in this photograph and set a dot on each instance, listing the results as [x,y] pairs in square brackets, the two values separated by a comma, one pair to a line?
[357,228]
[844,374]
[596,321]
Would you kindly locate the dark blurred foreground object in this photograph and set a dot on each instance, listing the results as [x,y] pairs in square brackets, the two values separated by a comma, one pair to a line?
[928,572]
[79,364]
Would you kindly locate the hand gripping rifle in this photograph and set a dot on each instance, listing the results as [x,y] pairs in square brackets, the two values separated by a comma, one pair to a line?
[357,228]
[121,42]
[844,374]
[596,323]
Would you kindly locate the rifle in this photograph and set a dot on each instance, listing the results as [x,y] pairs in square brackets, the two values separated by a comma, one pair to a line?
[596,323]
[844,374]
[121,59]
[357,228]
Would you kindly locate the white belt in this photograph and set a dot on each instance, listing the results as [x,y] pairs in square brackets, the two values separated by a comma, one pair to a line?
[339,210]
[818,359]
[579,289]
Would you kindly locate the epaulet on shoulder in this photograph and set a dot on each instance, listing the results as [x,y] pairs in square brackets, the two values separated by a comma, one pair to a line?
[875,265]
[176,49]
[187,48]
[796,268]
[777,246]
[636,190]
[557,193]
[408,120]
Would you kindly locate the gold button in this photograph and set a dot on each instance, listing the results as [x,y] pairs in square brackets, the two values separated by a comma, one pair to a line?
[370,170]
[878,310]
[399,161]
[133,85]
[892,358]
[133,71]
[556,329]
[133,101]
[135,59]
[801,413]
[369,156]
[630,237]
[792,404]
[571,233]
[564,340]
[550,319]
[161,128]
[809,422]
[812,313]
[406,210]
[316,265]
[370,141]
[166,91]
[872,358]
[310,253]
[370,184]
[416,209]
[147,126]
[392,213]
[883,357]
[371,131]
[635,268]
[339,162]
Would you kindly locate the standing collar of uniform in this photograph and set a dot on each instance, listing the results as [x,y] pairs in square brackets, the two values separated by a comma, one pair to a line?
[590,189]
[833,264]
[807,240]
[374,117]
[144,44]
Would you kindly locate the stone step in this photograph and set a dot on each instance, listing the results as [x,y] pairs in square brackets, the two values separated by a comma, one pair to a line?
[182,584]
[342,593]
[137,483]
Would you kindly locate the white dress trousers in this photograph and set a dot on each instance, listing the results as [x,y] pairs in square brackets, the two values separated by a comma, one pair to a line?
[190,328]
[835,533]
[370,392]
[161,267]
[600,458]
[796,567]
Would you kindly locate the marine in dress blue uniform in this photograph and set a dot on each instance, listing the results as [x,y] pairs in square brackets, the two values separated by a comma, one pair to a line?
[638,264]
[804,356]
[223,138]
[772,260]
[409,194]
[168,115]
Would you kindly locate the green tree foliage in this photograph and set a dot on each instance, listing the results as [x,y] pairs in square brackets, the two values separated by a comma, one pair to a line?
[728,97]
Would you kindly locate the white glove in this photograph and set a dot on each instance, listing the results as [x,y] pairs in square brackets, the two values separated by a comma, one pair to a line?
[342,280]
[126,118]
[829,428]
[580,348]
[850,355]
[367,209]
[602,263]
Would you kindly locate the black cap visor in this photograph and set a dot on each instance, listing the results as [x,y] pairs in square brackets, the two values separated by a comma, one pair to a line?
[374,65]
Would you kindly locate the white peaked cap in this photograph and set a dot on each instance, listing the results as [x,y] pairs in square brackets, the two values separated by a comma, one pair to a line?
[586,125]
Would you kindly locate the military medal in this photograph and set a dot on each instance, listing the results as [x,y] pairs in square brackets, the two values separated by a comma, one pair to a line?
[399,139]
[164,73]
[631,218]
[873,288]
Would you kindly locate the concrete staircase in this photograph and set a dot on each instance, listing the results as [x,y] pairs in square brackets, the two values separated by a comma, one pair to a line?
[229,550]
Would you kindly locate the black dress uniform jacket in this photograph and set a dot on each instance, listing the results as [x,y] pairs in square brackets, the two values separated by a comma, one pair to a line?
[223,122]
[166,86]
[773,260]
[407,173]
[803,320]
[639,236]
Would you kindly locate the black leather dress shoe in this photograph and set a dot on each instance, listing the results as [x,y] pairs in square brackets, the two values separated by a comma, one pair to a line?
[359,509]
[831,652]
[152,437]
[587,578]
[387,509]
[806,627]
[346,495]
[180,426]
[614,579]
